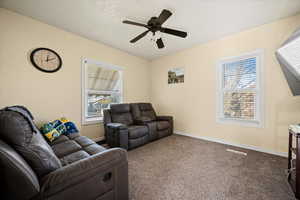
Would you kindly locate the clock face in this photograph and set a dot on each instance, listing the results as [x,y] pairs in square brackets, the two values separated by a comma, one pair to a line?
[46,60]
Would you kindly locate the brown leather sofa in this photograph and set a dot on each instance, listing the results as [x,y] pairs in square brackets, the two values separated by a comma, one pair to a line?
[131,125]
[72,167]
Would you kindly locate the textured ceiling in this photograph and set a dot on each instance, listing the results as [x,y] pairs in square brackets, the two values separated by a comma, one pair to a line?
[204,20]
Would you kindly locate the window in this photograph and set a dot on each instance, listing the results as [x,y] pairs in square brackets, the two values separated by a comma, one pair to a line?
[240,90]
[101,86]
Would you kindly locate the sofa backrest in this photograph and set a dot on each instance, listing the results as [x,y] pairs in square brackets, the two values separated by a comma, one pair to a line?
[17,131]
[121,113]
[143,110]
[18,180]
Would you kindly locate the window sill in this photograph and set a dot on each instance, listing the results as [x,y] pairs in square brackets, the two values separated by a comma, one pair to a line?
[241,122]
[92,121]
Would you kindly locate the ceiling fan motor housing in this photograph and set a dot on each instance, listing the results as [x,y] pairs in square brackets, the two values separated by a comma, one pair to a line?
[154,24]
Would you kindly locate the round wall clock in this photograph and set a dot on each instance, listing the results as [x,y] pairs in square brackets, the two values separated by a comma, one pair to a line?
[46,60]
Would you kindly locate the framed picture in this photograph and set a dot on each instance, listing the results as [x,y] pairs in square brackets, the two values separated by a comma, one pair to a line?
[176,75]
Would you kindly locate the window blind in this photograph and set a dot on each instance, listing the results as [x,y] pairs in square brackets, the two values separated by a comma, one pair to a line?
[239,89]
[102,79]
[103,87]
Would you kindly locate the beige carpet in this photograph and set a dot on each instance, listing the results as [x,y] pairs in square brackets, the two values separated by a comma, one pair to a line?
[183,168]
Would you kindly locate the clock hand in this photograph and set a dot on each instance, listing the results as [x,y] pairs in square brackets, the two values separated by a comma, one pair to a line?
[47,58]
[51,59]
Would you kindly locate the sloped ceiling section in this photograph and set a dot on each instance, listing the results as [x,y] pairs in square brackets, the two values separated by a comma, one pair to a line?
[204,20]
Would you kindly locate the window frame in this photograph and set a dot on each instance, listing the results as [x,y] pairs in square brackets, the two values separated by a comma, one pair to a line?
[84,91]
[259,90]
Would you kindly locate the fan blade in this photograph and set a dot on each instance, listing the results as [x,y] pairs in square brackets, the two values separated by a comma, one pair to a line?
[135,23]
[164,15]
[174,32]
[160,43]
[139,37]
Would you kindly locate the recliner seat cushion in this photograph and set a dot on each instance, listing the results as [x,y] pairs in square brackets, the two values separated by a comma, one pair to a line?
[138,141]
[137,131]
[162,125]
[17,132]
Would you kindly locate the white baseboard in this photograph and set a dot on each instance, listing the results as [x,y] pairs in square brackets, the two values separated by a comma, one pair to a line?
[98,139]
[232,144]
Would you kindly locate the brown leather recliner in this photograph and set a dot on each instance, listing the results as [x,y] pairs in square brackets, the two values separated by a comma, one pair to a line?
[159,126]
[132,125]
[72,167]
[121,130]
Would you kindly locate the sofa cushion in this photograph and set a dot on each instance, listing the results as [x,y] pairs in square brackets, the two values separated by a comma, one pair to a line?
[73,136]
[145,106]
[94,149]
[138,141]
[162,125]
[17,131]
[73,157]
[66,148]
[75,147]
[147,111]
[60,139]
[84,141]
[120,108]
[120,113]
[123,118]
[137,131]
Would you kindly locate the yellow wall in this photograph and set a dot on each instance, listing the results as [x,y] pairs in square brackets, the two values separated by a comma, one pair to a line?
[193,104]
[50,96]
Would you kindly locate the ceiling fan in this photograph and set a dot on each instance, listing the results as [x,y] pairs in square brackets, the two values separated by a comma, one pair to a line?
[154,25]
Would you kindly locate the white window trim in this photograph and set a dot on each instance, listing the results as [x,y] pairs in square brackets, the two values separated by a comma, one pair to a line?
[85,61]
[259,121]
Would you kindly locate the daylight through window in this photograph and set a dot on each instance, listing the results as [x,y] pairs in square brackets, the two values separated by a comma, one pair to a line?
[102,87]
[240,89]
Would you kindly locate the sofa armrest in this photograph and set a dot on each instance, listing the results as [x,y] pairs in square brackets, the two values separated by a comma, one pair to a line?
[117,135]
[169,119]
[89,178]
[164,118]
[116,126]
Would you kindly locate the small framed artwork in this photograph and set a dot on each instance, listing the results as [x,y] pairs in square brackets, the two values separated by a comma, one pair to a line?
[176,75]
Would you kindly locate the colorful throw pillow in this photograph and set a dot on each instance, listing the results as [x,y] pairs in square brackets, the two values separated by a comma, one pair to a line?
[70,126]
[50,131]
[54,129]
